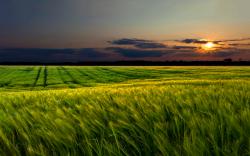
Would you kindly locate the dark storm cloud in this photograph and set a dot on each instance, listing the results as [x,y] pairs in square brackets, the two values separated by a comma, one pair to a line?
[197,41]
[150,45]
[186,54]
[233,53]
[90,53]
[139,43]
[50,55]
[229,53]
[136,53]
[127,41]
[184,47]
[240,44]
[219,42]
[223,54]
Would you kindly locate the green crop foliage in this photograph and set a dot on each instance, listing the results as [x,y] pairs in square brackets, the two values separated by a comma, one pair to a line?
[17,78]
[124,111]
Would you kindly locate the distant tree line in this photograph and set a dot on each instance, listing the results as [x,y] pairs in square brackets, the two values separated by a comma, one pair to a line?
[226,62]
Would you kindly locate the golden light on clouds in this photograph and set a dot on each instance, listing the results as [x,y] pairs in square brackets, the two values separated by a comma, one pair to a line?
[208,46]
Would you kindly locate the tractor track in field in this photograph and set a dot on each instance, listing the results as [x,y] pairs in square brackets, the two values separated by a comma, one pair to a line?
[121,73]
[106,77]
[70,75]
[61,75]
[37,76]
[109,71]
[131,74]
[83,73]
[14,74]
[89,75]
[62,70]
[6,76]
[45,76]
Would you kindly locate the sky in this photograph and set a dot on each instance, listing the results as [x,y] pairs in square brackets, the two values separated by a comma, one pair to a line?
[124,29]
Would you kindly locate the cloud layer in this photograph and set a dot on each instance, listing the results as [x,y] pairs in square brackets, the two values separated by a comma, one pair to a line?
[52,55]
[138,43]
[136,53]
[135,49]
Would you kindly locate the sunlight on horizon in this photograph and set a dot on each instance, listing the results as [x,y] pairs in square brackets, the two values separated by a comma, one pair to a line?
[208,46]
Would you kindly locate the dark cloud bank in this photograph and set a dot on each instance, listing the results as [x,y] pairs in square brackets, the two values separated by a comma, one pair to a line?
[139,43]
[123,50]
[136,53]
[51,55]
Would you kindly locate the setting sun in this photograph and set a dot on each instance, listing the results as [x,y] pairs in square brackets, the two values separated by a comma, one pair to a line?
[208,46]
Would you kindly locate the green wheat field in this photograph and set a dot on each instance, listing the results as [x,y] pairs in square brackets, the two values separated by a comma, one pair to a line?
[116,111]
